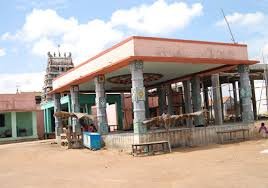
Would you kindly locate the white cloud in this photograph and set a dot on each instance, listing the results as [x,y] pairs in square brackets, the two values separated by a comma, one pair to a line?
[45,23]
[240,19]
[24,81]
[6,36]
[41,46]
[253,28]
[160,17]
[2,52]
[43,30]
[24,5]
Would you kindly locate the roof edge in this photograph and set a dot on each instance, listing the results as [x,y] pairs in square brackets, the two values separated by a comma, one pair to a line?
[188,41]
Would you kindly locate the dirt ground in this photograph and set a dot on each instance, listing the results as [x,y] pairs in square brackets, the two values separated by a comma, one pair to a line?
[42,164]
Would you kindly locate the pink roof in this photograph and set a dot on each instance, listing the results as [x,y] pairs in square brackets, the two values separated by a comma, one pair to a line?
[18,102]
[153,50]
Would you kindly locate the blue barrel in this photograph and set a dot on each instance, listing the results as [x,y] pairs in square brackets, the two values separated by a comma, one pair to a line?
[92,140]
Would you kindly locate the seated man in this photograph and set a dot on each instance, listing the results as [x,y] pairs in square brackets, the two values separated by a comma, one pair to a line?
[263,130]
[87,126]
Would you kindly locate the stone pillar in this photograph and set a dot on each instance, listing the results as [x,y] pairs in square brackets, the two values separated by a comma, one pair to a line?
[221,99]
[187,101]
[169,98]
[240,102]
[101,104]
[161,92]
[74,92]
[45,122]
[58,123]
[236,106]
[253,99]
[206,102]
[266,86]
[147,109]
[196,99]
[138,99]
[245,94]
[69,109]
[217,105]
[34,124]
[14,125]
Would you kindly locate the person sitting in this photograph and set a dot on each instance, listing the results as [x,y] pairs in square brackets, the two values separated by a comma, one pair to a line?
[87,126]
[263,130]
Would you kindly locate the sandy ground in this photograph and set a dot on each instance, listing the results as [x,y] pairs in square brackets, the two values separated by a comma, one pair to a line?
[41,164]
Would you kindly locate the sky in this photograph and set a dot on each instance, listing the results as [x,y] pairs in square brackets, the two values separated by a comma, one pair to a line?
[31,28]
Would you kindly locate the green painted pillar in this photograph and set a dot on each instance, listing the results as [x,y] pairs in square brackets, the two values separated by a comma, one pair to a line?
[69,109]
[49,125]
[119,113]
[89,108]
[14,124]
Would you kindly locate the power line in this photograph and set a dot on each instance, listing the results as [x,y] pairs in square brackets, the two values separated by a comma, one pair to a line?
[230,31]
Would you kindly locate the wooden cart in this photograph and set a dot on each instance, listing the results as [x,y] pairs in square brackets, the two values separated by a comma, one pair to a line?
[73,138]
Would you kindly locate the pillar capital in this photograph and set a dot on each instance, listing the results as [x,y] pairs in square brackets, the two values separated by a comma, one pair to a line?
[56,96]
[137,64]
[100,79]
[74,88]
[243,68]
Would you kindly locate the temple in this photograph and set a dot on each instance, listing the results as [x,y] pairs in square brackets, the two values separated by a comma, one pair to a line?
[144,77]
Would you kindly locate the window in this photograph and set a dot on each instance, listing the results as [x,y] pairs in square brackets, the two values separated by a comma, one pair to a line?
[37,99]
[2,120]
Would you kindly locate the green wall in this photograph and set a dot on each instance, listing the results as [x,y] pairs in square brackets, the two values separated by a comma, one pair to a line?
[85,100]
[48,120]
[7,123]
[24,121]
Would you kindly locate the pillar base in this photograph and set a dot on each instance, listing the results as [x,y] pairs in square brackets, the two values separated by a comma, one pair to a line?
[139,128]
[103,129]
[58,140]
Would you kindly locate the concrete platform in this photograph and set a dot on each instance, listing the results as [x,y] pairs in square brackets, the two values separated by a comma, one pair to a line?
[178,137]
